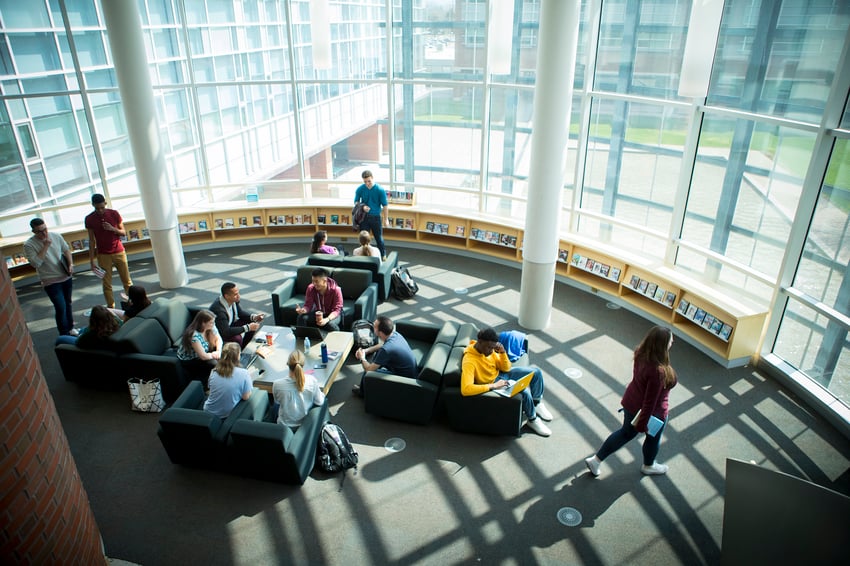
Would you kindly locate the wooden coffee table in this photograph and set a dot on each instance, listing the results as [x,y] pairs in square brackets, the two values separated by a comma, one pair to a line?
[266,370]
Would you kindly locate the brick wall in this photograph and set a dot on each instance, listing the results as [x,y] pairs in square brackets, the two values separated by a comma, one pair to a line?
[45,517]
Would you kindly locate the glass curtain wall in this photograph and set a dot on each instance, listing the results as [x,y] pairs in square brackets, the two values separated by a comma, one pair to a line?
[746,189]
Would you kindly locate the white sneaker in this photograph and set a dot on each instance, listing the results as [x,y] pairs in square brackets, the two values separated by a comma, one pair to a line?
[655,469]
[593,464]
[541,411]
[539,427]
[74,332]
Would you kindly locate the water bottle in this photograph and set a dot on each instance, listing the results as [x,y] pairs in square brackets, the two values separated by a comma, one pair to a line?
[324,353]
[306,347]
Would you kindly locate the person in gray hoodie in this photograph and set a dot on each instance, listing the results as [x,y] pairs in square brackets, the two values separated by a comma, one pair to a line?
[50,255]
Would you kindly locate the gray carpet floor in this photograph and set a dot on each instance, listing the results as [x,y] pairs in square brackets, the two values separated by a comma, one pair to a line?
[447,498]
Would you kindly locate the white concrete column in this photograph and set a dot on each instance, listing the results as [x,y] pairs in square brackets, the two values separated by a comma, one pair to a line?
[131,68]
[553,96]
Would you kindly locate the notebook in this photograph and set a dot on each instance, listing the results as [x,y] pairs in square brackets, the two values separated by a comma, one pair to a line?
[515,387]
[653,426]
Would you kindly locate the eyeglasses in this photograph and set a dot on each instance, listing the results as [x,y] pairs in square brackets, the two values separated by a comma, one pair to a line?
[40,230]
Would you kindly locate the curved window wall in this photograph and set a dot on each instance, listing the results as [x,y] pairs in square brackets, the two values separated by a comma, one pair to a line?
[745,189]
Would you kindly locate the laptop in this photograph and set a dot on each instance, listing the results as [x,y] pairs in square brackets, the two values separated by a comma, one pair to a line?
[314,334]
[515,387]
[246,359]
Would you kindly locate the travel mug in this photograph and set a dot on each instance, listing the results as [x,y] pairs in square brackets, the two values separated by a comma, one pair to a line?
[324,353]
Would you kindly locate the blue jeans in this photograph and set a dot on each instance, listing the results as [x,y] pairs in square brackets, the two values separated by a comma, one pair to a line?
[530,395]
[60,296]
[375,224]
[627,432]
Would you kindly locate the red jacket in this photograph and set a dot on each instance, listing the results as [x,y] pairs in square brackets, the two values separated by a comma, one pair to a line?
[646,393]
[328,303]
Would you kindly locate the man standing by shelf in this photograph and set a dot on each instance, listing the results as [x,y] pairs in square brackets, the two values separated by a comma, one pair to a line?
[375,200]
[51,258]
[106,227]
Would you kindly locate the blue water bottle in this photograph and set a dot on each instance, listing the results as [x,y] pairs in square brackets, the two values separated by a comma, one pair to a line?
[324,353]
[306,346]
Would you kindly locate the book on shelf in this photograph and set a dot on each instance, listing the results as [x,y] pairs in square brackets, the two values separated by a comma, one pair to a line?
[334,218]
[321,218]
[289,219]
[10,262]
[563,255]
[659,294]
[243,221]
[258,221]
[298,219]
[493,236]
[725,332]
[308,219]
[272,220]
[444,228]
[399,222]
[193,227]
[473,233]
[459,231]
[650,289]
[345,219]
[578,259]
[604,270]
[669,298]
[281,219]
[716,326]
[615,274]
[699,316]
[634,281]
[692,311]
[77,245]
[588,265]
[184,227]
[408,223]
[202,225]
[228,223]
[145,234]
[707,321]
[504,239]
[390,220]
[429,226]
[642,286]
[219,223]
[683,306]
[134,235]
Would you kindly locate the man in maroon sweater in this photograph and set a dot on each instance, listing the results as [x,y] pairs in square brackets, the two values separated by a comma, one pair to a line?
[106,227]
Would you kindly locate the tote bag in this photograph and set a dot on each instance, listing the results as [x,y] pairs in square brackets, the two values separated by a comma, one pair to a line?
[145,396]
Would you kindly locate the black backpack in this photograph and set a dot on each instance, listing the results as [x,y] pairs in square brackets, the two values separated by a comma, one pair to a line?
[358,215]
[364,333]
[402,284]
[335,453]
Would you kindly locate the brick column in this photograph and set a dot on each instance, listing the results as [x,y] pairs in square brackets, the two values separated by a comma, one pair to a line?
[45,517]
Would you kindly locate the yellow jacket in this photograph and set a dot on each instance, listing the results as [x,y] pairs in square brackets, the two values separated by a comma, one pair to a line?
[479,371]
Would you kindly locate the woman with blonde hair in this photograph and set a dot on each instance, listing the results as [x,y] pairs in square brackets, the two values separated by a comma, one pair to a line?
[200,346]
[296,393]
[646,396]
[366,248]
[229,383]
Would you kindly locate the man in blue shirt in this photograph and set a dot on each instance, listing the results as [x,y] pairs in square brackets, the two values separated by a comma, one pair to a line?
[375,200]
[393,354]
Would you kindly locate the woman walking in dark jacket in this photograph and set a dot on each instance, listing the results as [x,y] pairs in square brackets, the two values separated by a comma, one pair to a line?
[646,396]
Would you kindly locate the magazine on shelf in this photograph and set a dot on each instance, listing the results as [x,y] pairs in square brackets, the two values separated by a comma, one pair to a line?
[643,285]
[145,234]
[9,261]
[243,221]
[683,306]
[563,255]
[588,265]
[725,332]
[334,218]
[650,289]
[493,236]
[459,231]
[716,326]
[444,228]
[298,219]
[228,223]
[399,222]
[281,220]
[699,316]
[692,311]
[578,259]
[258,221]
[219,223]
[473,234]
[604,270]
[321,218]
[202,225]
[343,219]
[134,235]
[615,274]
[597,268]
[184,227]
[192,227]
[634,282]
[77,245]
[272,220]
[429,226]
[669,298]
[659,294]
[707,321]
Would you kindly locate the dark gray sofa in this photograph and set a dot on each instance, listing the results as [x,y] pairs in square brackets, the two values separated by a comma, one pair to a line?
[380,270]
[243,443]
[412,400]
[359,294]
[143,347]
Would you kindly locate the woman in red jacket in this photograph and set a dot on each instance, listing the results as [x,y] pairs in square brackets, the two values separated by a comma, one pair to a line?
[646,396]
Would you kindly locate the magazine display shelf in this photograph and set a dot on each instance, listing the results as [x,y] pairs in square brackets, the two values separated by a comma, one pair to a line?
[482,236]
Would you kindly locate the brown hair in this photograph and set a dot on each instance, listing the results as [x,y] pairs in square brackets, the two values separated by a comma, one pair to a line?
[229,359]
[102,322]
[200,319]
[365,240]
[318,238]
[654,350]
[296,368]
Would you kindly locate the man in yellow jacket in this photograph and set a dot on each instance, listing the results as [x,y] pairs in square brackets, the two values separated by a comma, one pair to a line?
[486,367]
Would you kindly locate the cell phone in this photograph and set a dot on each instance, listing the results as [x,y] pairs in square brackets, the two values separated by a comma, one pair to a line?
[320,366]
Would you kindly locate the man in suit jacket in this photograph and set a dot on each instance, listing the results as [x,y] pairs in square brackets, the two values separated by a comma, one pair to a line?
[233,323]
